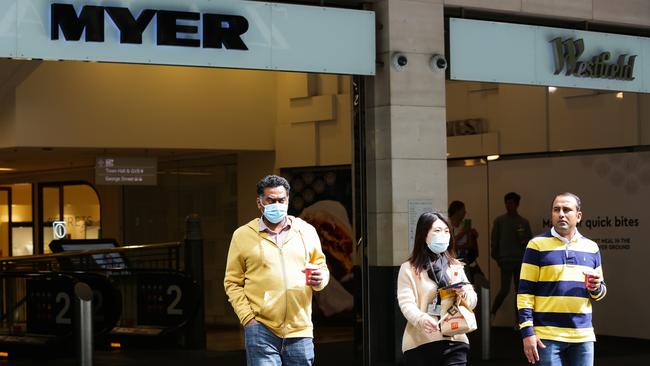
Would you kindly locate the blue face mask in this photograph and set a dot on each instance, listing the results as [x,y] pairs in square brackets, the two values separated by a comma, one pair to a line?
[275,212]
[439,243]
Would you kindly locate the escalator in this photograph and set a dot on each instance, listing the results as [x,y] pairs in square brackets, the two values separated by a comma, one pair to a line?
[142,296]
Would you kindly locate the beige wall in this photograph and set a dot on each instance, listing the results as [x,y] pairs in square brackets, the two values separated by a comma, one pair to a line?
[7,119]
[314,120]
[579,119]
[251,167]
[644,117]
[76,104]
[623,12]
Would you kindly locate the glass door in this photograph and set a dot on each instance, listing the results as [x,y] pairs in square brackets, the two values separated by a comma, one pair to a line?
[76,204]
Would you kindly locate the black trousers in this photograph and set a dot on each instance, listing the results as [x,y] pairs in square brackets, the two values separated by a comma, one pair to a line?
[508,270]
[440,353]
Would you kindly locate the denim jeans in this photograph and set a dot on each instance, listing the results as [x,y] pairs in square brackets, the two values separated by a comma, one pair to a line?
[263,348]
[566,354]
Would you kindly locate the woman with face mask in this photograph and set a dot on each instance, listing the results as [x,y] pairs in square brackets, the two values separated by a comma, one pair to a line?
[432,265]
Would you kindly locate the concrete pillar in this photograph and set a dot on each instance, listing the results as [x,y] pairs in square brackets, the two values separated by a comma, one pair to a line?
[406,153]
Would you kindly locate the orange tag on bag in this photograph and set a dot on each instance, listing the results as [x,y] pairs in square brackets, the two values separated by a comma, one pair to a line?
[454,325]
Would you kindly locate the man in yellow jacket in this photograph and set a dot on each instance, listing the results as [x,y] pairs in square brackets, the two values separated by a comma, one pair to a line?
[268,283]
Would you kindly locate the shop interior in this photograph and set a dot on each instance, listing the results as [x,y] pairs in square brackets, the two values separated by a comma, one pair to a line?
[213,133]
[542,140]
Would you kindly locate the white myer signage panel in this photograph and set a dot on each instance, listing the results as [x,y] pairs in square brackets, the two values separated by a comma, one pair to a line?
[522,54]
[126,171]
[223,33]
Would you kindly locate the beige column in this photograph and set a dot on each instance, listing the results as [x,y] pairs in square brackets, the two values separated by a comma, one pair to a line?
[406,129]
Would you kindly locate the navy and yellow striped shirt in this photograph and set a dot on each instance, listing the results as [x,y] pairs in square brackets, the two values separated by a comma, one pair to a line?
[552,300]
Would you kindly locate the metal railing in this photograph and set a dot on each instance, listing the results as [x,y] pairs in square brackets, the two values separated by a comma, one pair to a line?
[137,290]
[133,257]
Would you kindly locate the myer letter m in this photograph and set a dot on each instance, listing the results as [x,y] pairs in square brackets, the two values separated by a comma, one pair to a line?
[91,18]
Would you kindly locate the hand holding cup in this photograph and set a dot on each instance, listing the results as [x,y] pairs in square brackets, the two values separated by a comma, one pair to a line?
[313,275]
[592,281]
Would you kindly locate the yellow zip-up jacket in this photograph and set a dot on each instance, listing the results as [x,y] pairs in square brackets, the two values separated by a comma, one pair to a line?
[265,281]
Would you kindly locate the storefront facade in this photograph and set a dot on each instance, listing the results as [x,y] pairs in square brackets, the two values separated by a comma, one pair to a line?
[410,109]
[121,119]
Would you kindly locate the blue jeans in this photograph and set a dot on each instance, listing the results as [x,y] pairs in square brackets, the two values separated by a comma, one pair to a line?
[566,354]
[263,348]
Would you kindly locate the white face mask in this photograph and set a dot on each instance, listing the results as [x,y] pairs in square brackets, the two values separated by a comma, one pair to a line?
[439,243]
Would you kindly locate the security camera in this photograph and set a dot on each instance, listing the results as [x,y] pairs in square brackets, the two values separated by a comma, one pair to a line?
[399,61]
[438,62]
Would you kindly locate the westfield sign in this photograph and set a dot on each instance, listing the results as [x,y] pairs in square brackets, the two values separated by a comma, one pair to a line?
[567,57]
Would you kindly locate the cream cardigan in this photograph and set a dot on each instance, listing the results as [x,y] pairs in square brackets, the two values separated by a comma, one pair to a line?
[414,293]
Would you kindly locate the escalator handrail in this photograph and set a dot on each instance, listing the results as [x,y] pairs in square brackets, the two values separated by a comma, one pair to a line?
[125,249]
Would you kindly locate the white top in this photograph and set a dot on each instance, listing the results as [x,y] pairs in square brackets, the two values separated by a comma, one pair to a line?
[415,293]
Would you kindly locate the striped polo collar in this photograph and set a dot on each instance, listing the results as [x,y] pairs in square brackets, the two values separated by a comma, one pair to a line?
[576,236]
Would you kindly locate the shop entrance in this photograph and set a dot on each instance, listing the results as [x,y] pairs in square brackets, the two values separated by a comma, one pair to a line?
[195,92]
[213,133]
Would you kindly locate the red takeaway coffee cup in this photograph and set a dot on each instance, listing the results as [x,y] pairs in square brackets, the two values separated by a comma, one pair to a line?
[309,267]
[588,277]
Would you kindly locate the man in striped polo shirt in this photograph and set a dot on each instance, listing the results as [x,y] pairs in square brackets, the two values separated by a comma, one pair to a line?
[561,273]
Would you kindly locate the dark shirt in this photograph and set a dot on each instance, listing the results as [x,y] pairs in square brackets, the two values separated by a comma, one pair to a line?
[510,235]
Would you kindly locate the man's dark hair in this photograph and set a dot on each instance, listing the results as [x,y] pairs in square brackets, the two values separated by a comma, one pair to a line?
[272,181]
[569,194]
[512,196]
[454,207]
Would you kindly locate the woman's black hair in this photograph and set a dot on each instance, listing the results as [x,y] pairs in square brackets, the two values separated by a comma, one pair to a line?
[422,256]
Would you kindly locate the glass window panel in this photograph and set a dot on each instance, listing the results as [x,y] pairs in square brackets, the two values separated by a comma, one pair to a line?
[21,202]
[81,211]
[50,204]
[4,223]
[22,241]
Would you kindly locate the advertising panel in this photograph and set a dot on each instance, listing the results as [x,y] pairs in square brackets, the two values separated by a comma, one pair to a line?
[614,190]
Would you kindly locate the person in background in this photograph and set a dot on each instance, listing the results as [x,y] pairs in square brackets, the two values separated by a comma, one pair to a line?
[466,238]
[561,274]
[267,281]
[432,265]
[510,233]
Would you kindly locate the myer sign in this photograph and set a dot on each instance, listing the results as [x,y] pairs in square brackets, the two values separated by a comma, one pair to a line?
[567,56]
[223,33]
[217,31]
[524,54]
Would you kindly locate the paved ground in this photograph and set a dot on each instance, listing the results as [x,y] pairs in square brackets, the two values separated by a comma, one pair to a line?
[506,351]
